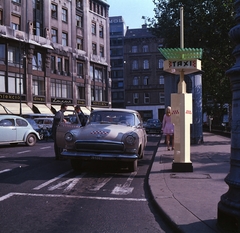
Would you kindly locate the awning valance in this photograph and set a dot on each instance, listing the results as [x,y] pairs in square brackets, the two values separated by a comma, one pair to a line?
[43,108]
[14,108]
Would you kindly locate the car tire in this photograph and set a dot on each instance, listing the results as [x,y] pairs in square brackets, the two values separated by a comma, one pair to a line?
[141,154]
[31,139]
[76,164]
[132,166]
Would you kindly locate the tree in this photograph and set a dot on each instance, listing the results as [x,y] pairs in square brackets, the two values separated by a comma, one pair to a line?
[206,26]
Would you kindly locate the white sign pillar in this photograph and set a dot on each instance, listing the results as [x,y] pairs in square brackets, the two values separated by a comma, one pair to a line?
[181,105]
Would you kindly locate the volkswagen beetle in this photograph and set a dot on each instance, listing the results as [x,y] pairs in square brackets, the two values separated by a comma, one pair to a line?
[110,135]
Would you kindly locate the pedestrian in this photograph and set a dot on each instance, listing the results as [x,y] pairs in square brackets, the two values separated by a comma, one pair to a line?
[81,116]
[168,127]
[58,118]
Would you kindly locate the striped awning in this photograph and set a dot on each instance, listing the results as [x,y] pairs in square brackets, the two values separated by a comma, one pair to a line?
[14,108]
[43,108]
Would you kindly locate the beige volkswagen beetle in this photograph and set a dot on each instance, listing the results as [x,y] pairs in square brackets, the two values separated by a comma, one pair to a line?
[110,135]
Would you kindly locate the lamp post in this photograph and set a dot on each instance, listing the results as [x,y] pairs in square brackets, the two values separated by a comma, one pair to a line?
[229,205]
[20,81]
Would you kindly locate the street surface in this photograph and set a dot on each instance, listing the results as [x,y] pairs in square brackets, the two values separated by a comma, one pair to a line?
[40,194]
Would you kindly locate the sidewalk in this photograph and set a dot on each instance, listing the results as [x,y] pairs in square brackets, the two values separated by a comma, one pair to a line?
[189,200]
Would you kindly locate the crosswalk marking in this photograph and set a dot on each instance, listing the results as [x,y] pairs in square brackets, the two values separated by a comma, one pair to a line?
[98,186]
[5,170]
[125,189]
[52,180]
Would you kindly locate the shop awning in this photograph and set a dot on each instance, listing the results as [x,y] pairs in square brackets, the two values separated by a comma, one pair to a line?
[43,108]
[14,108]
[85,111]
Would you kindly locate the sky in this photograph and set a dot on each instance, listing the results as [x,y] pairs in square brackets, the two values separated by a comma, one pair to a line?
[132,11]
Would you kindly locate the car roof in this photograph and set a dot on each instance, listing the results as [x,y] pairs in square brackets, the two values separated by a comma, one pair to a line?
[114,110]
[10,116]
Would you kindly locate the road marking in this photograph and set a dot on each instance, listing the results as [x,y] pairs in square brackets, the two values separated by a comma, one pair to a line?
[52,180]
[72,182]
[124,189]
[2,157]
[5,170]
[98,186]
[22,152]
[69,196]
[46,147]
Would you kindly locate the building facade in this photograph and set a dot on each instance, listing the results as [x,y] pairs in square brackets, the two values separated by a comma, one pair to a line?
[53,52]
[144,77]
[117,33]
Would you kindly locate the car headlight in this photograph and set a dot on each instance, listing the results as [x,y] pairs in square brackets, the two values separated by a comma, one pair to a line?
[68,137]
[130,140]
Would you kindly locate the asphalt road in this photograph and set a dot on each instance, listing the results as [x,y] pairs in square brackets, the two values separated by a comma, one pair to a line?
[39,194]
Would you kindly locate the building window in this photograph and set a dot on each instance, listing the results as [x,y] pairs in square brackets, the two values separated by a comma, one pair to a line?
[1,17]
[53,63]
[98,93]
[61,88]
[145,64]
[134,49]
[79,3]
[37,63]
[2,82]
[94,28]
[54,35]
[15,82]
[135,81]
[54,11]
[145,80]
[101,31]
[59,64]
[15,22]
[146,98]
[79,21]
[161,98]
[135,98]
[80,43]
[145,48]
[38,86]
[17,1]
[160,63]
[161,79]
[66,66]
[98,75]
[64,39]
[14,55]
[80,92]
[135,65]
[80,70]
[94,48]
[64,15]
[101,51]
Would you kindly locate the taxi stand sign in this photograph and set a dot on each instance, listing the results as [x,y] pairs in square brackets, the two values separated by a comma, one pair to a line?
[178,66]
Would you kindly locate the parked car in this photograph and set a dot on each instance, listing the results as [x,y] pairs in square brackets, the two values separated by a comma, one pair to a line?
[44,127]
[110,134]
[15,129]
[153,126]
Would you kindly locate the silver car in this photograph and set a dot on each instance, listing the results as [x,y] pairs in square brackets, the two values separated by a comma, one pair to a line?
[110,135]
[15,129]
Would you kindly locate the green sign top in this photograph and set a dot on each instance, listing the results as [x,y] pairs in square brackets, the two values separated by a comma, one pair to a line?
[181,53]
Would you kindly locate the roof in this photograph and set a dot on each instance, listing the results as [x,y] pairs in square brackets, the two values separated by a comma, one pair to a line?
[138,33]
[114,110]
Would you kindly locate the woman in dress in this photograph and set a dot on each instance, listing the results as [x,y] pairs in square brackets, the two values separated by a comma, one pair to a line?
[168,127]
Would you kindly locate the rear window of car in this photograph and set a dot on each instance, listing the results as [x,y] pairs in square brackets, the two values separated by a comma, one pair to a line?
[21,123]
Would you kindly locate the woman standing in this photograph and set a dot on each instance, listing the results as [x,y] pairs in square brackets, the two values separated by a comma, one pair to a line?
[168,127]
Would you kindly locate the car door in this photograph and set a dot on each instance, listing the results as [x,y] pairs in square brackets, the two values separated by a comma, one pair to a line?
[8,131]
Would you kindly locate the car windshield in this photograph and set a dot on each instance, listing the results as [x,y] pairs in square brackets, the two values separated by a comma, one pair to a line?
[112,117]
[153,121]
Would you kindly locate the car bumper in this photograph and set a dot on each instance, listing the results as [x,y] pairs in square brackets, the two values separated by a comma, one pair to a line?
[98,156]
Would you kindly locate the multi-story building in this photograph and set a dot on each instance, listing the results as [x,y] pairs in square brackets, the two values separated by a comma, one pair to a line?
[117,32]
[53,52]
[143,72]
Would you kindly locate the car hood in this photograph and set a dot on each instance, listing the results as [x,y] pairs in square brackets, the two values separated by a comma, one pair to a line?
[102,132]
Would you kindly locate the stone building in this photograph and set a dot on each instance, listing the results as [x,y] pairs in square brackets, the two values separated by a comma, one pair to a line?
[53,52]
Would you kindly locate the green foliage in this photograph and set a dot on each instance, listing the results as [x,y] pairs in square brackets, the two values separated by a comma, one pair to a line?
[206,26]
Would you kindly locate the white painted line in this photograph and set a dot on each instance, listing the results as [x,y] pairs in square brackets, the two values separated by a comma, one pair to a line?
[5,170]
[2,157]
[22,152]
[52,180]
[72,182]
[46,147]
[99,185]
[124,189]
[69,196]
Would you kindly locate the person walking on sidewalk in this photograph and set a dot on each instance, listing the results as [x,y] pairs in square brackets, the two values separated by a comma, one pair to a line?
[168,127]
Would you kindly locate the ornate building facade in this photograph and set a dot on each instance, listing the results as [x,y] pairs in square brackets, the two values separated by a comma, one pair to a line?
[53,52]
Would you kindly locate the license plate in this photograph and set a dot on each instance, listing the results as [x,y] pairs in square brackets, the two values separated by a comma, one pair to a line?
[96,158]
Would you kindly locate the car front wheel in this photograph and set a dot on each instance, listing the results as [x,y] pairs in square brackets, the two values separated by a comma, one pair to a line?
[31,139]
